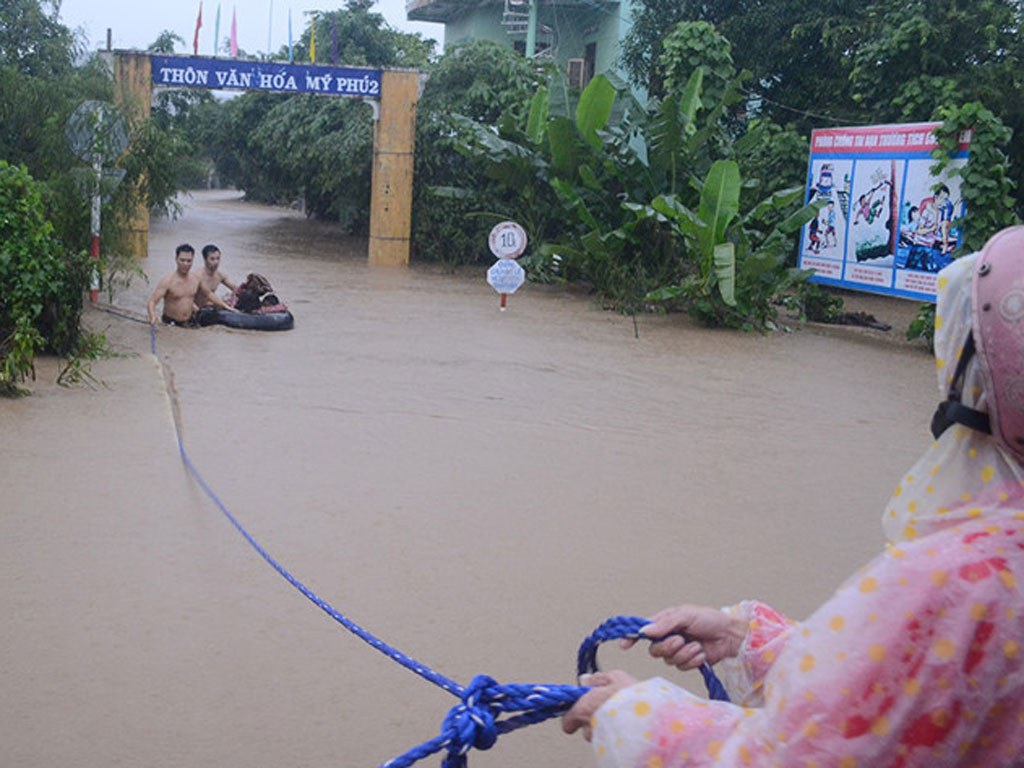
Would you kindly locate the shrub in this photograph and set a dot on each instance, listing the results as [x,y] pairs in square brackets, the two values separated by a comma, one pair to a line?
[42,284]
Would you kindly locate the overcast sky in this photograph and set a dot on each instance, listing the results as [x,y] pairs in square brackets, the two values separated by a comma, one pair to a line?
[137,23]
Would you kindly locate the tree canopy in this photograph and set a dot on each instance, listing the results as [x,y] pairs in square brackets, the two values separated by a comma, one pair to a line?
[818,63]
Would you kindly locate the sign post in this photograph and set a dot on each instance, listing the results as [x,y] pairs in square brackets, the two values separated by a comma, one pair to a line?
[507,241]
[97,134]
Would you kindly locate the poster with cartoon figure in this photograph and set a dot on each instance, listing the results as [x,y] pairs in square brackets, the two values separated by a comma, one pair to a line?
[830,183]
[929,219]
[886,225]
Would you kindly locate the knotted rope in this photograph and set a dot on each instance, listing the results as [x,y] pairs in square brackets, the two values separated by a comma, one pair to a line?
[476,721]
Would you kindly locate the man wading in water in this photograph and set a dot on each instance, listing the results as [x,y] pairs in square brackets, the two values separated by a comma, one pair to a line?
[180,291]
[210,275]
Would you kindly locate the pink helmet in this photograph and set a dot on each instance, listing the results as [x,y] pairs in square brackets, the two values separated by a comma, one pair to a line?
[997,320]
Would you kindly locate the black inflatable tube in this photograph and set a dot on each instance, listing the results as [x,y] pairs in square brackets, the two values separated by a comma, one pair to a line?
[271,321]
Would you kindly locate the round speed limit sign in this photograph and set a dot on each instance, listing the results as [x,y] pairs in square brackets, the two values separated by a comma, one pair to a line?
[507,240]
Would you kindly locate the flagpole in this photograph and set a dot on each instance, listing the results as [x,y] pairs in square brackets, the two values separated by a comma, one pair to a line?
[199,24]
[312,40]
[270,25]
[216,32]
[290,58]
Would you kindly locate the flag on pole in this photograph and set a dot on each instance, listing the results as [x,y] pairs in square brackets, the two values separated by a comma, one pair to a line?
[290,58]
[312,39]
[234,33]
[216,32]
[199,23]
[334,42]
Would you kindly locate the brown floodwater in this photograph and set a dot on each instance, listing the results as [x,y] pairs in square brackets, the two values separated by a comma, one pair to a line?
[480,489]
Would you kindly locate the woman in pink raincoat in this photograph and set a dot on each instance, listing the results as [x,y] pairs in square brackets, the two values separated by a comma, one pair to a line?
[917,659]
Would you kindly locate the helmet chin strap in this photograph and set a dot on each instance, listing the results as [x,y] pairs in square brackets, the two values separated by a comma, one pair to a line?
[951,411]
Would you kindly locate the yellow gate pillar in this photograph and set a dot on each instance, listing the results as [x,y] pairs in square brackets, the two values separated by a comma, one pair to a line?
[132,91]
[394,139]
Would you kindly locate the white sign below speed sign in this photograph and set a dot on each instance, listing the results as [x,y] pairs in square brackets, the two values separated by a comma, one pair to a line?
[506,276]
[507,240]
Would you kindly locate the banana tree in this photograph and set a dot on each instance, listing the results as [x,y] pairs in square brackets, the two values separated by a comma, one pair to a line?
[553,155]
[738,264]
[705,231]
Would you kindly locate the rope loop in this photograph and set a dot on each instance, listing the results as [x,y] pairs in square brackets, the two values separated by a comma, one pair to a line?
[621,627]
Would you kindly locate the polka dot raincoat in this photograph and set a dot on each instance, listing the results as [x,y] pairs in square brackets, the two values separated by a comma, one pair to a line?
[915,661]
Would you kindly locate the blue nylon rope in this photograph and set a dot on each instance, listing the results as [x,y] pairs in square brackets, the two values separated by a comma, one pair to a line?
[630,626]
[475,722]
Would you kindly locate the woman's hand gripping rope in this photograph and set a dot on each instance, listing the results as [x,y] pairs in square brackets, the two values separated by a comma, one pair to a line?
[691,637]
[475,721]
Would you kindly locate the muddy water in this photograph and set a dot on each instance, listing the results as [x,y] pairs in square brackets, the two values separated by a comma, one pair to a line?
[478,488]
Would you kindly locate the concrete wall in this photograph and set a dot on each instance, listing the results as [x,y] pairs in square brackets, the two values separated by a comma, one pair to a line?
[573,27]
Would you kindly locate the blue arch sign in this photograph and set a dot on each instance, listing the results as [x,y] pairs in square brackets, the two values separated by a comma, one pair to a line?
[276,77]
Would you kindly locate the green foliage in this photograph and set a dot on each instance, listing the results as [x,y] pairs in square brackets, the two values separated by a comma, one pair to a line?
[648,209]
[815,63]
[281,148]
[456,199]
[33,41]
[815,303]
[766,153]
[41,303]
[697,45]
[165,43]
[364,40]
[737,254]
[986,186]
[798,51]
[44,188]
[941,49]
[642,46]
[923,325]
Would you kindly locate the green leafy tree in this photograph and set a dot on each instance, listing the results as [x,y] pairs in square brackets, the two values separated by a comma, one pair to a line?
[280,148]
[797,51]
[633,217]
[42,282]
[165,43]
[33,41]
[484,83]
[986,186]
[926,54]
[364,39]
[816,63]
[44,212]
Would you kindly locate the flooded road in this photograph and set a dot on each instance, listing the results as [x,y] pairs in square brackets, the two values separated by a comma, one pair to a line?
[479,489]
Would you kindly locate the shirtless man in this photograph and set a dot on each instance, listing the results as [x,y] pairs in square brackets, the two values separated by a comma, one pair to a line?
[180,290]
[210,276]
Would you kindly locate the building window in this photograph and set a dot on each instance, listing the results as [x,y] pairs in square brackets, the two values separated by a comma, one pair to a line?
[589,62]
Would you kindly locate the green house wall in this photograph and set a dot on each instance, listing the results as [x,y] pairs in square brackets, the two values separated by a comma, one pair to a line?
[573,28]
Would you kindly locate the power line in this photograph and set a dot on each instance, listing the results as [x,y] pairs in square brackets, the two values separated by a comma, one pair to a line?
[835,122]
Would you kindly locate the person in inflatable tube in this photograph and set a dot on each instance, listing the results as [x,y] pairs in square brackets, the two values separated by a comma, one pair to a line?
[918,659]
[254,307]
[256,295]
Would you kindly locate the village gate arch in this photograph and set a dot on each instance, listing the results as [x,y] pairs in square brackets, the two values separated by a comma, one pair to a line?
[392,93]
